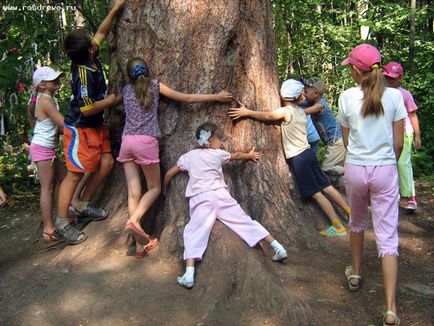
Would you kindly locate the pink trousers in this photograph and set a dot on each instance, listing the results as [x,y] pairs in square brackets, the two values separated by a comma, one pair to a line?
[208,206]
[380,184]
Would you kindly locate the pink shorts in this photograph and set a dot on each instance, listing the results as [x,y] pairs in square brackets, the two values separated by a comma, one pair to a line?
[140,149]
[380,184]
[41,153]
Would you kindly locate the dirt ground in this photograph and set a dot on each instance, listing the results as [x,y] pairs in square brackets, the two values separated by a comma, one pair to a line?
[120,290]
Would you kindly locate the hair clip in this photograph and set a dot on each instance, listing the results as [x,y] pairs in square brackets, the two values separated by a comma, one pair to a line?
[204,136]
[140,70]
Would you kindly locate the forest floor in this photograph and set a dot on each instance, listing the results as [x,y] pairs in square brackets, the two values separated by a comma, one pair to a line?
[119,290]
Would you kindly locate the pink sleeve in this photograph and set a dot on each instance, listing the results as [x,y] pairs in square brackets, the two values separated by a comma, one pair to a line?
[225,156]
[183,162]
[410,104]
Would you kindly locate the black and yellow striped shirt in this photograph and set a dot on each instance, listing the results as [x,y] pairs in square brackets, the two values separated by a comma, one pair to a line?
[88,86]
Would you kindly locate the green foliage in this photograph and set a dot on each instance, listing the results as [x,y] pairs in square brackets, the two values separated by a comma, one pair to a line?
[32,34]
[314,36]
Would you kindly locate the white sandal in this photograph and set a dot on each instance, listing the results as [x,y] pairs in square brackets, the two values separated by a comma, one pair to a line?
[393,314]
[350,276]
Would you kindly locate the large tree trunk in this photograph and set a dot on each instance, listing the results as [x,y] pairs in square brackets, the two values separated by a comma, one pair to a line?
[205,46]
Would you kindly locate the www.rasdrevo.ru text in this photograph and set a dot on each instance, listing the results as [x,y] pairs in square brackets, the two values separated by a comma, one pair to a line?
[36,8]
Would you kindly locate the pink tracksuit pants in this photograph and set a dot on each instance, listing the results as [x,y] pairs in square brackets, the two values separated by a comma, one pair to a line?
[380,185]
[208,206]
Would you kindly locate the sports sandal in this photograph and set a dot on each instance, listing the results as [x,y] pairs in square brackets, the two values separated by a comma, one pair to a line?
[71,235]
[138,234]
[332,232]
[391,313]
[50,236]
[151,245]
[350,276]
[91,213]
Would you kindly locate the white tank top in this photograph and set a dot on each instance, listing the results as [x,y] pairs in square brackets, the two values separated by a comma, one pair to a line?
[45,132]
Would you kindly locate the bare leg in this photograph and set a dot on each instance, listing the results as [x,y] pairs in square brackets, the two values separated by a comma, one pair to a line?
[66,191]
[325,205]
[46,171]
[389,265]
[132,174]
[76,199]
[153,183]
[356,253]
[336,197]
[59,176]
[96,178]
[189,262]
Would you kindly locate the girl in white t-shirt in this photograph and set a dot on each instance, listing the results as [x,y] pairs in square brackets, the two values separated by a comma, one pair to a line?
[372,117]
[209,199]
[44,113]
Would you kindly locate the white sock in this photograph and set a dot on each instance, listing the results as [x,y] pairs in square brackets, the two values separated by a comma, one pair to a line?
[276,246]
[189,272]
[187,279]
[61,223]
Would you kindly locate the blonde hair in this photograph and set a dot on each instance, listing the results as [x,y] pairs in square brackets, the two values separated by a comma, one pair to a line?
[373,85]
[138,72]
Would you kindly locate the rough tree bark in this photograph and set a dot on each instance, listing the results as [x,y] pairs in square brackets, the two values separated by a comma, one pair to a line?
[207,46]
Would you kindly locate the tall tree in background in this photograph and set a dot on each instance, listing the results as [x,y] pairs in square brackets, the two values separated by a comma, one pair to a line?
[412,33]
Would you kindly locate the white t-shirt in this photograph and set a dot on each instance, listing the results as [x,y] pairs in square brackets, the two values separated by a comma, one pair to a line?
[204,168]
[370,141]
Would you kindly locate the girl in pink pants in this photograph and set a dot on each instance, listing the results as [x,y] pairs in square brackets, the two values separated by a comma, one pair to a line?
[372,116]
[211,200]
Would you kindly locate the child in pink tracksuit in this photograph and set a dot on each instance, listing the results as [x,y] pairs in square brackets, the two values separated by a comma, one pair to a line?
[209,199]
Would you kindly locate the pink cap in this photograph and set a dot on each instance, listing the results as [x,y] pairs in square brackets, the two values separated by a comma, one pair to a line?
[393,70]
[363,57]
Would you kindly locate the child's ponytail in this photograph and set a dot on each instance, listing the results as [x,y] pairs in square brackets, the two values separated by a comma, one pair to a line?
[139,74]
[373,86]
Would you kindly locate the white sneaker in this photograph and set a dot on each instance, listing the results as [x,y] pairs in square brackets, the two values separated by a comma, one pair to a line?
[280,255]
[184,281]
